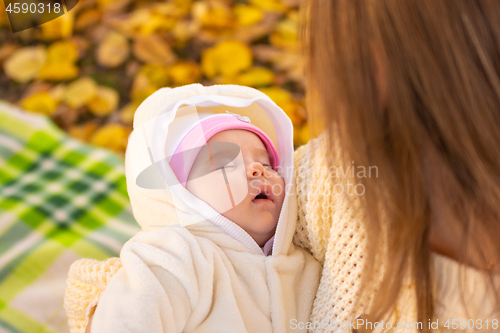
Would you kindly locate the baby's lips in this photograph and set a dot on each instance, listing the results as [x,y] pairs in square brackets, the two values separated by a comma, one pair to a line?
[267,190]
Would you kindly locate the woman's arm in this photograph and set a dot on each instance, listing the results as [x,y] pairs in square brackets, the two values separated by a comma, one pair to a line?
[315,200]
[86,280]
[329,225]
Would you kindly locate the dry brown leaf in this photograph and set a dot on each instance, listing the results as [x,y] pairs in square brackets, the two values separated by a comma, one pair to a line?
[113,50]
[256,31]
[83,132]
[65,116]
[153,49]
[6,50]
[87,19]
[36,87]
[82,44]
[266,53]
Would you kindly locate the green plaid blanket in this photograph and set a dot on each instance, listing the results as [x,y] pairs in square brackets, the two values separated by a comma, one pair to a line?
[60,200]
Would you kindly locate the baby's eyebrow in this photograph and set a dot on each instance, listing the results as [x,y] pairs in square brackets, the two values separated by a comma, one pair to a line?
[263,152]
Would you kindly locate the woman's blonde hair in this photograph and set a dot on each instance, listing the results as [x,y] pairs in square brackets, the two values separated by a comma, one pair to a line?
[412,87]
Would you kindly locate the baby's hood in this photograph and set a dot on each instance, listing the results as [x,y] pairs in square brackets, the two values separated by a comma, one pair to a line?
[157,198]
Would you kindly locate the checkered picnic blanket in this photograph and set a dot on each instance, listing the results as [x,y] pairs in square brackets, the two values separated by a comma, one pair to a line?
[60,200]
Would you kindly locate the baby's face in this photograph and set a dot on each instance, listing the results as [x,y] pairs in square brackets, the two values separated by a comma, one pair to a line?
[254,188]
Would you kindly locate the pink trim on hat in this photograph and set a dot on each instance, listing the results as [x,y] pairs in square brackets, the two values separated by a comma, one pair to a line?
[181,163]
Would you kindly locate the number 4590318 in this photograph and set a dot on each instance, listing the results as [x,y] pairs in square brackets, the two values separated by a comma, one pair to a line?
[471,324]
[33,8]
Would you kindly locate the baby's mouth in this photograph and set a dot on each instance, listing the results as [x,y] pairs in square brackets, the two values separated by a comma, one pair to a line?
[263,197]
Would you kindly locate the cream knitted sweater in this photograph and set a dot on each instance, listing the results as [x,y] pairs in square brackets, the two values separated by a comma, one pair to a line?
[330,227]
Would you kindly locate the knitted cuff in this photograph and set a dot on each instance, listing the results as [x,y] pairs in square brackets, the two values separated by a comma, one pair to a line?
[86,280]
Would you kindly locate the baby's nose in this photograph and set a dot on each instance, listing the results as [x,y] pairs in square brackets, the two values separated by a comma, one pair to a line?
[255,170]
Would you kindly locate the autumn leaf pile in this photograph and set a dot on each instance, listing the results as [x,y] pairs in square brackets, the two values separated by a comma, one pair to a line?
[91,68]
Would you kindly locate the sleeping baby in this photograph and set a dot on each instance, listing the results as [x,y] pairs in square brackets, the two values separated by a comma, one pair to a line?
[209,174]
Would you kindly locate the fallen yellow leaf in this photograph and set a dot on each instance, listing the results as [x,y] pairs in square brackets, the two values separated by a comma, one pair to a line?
[112,5]
[227,58]
[134,23]
[153,49]
[60,62]
[4,19]
[58,92]
[58,28]
[41,102]
[62,51]
[58,71]
[283,98]
[285,34]
[218,16]
[104,102]
[156,74]
[25,63]
[113,50]
[111,136]
[185,30]
[142,88]
[301,135]
[185,72]
[255,77]
[277,94]
[163,16]
[79,92]
[269,5]
[247,15]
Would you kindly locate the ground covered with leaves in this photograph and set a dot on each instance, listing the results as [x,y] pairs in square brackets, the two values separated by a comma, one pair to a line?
[90,68]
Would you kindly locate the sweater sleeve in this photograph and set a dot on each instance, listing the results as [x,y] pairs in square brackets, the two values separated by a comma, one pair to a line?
[330,225]
[86,280]
[315,197]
